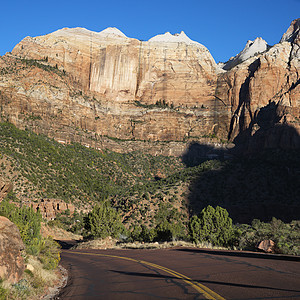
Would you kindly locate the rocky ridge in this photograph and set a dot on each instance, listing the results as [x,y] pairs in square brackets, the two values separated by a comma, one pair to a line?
[251,49]
[106,90]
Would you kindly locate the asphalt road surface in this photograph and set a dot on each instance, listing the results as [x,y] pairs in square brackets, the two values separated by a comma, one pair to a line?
[178,273]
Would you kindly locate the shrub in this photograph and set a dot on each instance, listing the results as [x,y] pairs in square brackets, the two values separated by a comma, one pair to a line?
[213,226]
[142,233]
[3,292]
[104,221]
[285,236]
[27,220]
[167,224]
[49,253]
[29,224]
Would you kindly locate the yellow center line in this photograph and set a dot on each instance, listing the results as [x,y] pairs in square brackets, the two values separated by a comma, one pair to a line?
[202,289]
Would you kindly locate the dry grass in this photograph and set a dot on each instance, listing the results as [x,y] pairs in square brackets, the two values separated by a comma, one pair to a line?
[58,233]
[35,284]
[109,243]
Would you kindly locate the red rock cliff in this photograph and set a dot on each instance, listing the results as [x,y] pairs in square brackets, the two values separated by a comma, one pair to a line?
[79,85]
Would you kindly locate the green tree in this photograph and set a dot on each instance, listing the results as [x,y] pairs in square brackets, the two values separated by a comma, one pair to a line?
[104,221]
[142,233]
[213,225]
[168,224]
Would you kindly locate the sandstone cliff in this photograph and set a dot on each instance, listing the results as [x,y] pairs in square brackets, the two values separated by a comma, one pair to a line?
[104,88]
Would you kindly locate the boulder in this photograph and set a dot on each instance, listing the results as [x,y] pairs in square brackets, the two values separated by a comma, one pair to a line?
[11,246]
[267,246]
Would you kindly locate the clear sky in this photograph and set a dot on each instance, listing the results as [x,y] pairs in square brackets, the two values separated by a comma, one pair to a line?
[222,26]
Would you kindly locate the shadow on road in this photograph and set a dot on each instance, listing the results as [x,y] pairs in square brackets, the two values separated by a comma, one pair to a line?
[66,244]
[241,254]
[202,281]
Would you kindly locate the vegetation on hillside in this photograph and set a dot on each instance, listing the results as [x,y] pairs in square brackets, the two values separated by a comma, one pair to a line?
[157,198]
[74,172]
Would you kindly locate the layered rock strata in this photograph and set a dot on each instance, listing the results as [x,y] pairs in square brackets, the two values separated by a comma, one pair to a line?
[105,89]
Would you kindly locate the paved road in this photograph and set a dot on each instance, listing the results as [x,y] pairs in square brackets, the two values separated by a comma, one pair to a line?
[178,273]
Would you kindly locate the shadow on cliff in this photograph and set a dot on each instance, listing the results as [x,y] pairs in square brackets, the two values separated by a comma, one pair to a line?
[262,178]
[198,153]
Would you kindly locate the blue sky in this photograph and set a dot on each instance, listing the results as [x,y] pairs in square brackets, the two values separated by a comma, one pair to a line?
[222,26]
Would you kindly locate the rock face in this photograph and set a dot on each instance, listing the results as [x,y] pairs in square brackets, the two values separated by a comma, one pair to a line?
[96,88]
[49,208]
[11,261]
[267,82]
[252,48]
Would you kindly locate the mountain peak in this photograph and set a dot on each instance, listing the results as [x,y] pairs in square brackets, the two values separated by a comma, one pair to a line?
[173,38]
[112,31]
[292,32]
[252,48]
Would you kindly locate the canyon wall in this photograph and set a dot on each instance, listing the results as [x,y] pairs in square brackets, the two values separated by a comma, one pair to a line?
[106,90]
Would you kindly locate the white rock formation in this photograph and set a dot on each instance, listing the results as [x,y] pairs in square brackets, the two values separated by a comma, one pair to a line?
[173,38]
[112,31]
[251,49]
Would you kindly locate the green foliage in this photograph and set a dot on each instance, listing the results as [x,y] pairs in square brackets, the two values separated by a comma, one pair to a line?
[73,223]
[3,292]
[75,172]
[267,179]
[213,225]
[142,233]
[104,221]
[41,65]
[29,224]
[167,226]
[285,235]
[158,104]
[49,253]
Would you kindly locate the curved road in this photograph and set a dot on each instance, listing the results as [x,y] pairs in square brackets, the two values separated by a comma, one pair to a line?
[179,273]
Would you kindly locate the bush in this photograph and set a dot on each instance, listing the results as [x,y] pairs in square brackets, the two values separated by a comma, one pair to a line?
[104,221]
[3,292]
[27,220]
[168,225]
[49,253]
[29,224]
[285,236]
[213,226]
[142,233]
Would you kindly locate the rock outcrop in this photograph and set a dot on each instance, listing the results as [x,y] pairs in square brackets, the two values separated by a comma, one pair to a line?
[267,246]
[268,80]
[11,260]
[252,48]
[49,208]
[99,88]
